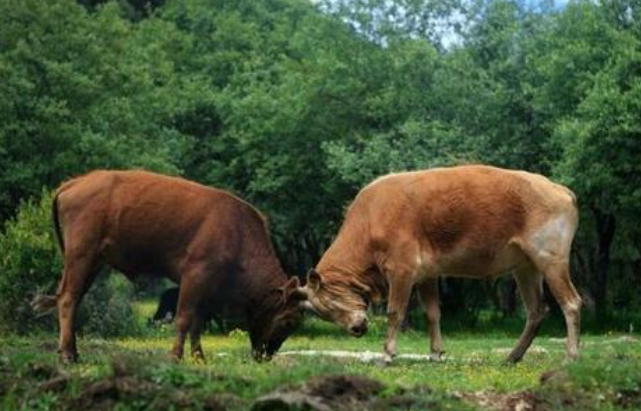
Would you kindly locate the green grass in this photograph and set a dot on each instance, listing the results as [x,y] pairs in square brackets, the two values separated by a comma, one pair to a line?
[609,368]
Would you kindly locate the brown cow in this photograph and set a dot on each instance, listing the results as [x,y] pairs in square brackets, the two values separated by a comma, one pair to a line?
[215,245]
[471,221]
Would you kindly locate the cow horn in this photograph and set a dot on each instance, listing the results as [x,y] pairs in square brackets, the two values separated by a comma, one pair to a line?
[303,292]
[306,305]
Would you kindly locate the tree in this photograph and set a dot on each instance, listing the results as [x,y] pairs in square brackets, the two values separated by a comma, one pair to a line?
[81,92]
[601,147]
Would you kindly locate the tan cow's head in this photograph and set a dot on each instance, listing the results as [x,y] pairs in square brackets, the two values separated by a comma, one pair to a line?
[338,302]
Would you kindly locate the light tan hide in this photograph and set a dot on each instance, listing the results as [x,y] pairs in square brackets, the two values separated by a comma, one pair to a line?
[407,229]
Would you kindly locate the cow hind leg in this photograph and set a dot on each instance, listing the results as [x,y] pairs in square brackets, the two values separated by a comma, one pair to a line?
[195,332]
[555,267]
[530,285]
[549,249]
[428,294]
[77,277]
[557,277]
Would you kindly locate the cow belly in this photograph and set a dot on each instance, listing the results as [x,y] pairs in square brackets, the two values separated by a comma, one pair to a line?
[479,263]
[139,261]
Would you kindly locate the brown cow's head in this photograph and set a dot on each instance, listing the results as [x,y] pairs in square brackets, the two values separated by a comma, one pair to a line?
[337,302]
[279,316]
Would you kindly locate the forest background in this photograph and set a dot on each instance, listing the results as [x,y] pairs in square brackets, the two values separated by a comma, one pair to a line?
[295,104]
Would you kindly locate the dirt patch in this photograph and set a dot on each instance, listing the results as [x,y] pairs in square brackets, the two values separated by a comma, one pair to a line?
[104,394]
[122,385]
[496,401]
[222,402]
[48,346]
[41,371]
[126,386]
[629,399]
[336,392]
[53,379]
[55,384]
[554,377]
[350,393]
[343,388]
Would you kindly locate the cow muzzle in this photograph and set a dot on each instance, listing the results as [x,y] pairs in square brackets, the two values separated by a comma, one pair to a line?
[261,354]
[358,326]
[358,330]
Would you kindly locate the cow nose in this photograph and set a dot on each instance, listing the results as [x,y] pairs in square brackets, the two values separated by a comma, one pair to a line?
[359,329]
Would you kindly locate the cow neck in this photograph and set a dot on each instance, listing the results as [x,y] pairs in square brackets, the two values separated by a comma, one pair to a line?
[267,275]
[349,262]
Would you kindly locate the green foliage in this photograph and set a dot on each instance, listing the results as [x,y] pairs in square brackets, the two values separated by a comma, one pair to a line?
[81,92]
[414,146]
[606,134]
[106,310]
[294,105]
[31,264]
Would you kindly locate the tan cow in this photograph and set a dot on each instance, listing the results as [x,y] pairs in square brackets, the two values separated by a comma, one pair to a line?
[215,245]
[407,229]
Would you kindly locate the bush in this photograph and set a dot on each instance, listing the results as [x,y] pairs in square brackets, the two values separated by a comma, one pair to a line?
[31,263]
[106,309]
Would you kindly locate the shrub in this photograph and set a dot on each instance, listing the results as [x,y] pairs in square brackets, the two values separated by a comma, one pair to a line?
[106,309]
[31,263]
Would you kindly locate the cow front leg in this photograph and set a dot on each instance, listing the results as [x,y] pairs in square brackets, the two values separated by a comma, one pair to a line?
[195,333]
[428,293]
[183,321]
[399,295]
[191,290]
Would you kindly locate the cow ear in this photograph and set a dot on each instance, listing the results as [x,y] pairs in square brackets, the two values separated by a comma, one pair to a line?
[313,280]
[292,290]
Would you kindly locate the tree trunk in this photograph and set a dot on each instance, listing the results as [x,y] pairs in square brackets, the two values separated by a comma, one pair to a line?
[605,225]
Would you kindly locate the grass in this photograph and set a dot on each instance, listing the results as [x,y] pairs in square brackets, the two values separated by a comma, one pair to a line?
[608,375]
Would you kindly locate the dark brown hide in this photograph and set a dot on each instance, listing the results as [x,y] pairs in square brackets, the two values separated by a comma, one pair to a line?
[213,244]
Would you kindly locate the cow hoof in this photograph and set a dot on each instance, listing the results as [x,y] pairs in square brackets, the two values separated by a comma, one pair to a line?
[199,357]
[512,360]
[66,357]
[386,361]
[175,357]
[381,363]
[436,357]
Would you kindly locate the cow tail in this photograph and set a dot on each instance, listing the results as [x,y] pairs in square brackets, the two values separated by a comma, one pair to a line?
[56,221]
[44,304]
